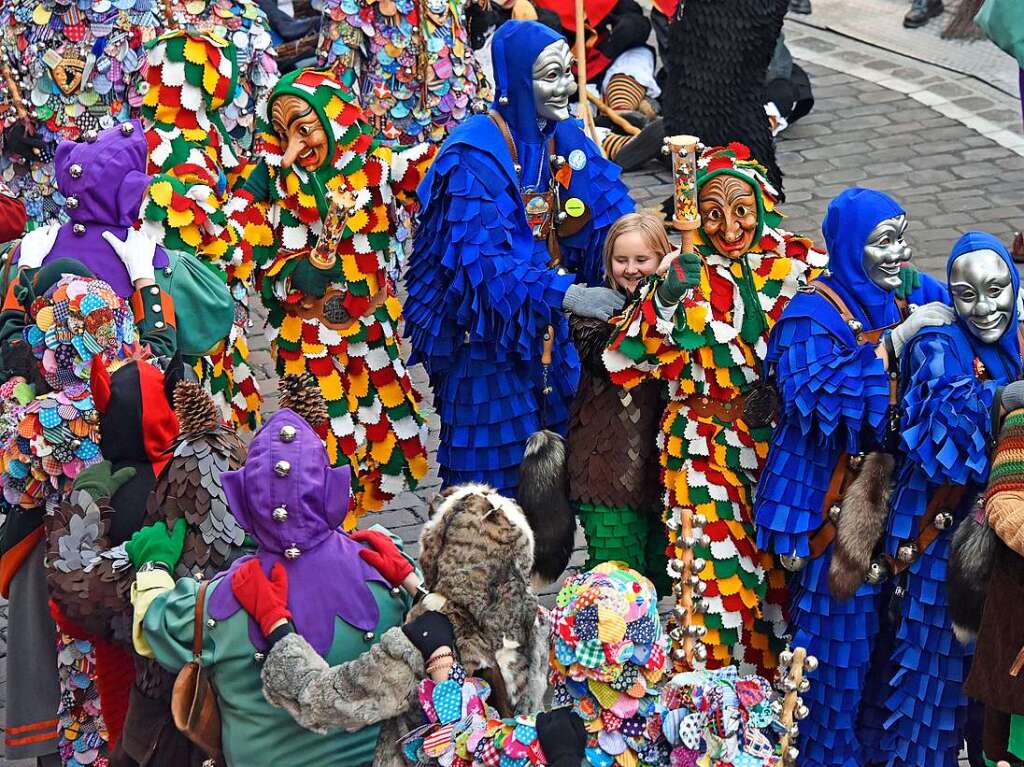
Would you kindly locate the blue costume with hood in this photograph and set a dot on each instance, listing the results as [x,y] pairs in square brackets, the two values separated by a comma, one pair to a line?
[834,397]
[949,382]
[481,292]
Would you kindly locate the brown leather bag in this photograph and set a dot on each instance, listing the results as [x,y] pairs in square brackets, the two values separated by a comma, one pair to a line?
[193,700]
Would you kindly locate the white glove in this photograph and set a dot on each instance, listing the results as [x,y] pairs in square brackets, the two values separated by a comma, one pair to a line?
[36,245]
[136,253]
[929,315]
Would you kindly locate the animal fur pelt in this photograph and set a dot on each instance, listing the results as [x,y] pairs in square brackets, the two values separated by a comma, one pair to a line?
[971,555]
[544,496]
[860,525]
[476,553]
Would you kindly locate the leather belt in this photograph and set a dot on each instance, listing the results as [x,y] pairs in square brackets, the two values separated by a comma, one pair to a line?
[727,411]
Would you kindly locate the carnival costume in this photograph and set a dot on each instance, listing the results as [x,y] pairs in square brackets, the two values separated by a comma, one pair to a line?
[716,61]
[483,290]
[949,380]
[76,70]
[612,461]
[710,350]
[192,80]
[416,75]
[332,309]
[835,417]
[289,498]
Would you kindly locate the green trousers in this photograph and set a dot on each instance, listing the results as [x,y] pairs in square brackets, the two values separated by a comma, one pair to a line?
[633,536]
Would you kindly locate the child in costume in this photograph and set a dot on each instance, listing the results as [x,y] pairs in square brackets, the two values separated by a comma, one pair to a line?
[950,382]
[992,679]
[822,496]
[515,211]
[290,499]
[416,75]
[704,329]
[612,456]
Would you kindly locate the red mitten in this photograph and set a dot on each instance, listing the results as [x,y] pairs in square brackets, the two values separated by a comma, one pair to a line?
[383,556]
[266,600]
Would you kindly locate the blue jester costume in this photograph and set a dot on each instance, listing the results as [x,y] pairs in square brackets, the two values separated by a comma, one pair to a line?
[835,417]
[487,276]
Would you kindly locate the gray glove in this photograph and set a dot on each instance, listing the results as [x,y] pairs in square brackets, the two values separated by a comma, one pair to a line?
[1011,396]
[929,315]
[598,303]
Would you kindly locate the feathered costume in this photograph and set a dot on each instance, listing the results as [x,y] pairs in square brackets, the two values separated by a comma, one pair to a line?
[417,78]
[835,402]
[482,292]
[949,380]
[196,166]
[340,323]
[717,59]
[710,353]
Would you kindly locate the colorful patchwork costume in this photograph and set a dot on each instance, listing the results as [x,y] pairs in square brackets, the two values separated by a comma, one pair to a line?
[482,291]
[417,78]
[338,319]
[710,351]
[835,406]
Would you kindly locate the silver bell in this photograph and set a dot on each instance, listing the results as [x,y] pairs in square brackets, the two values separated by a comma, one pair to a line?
[802,712]
[75,171]
[943,520]
[834,511]
[127,129]
[786,657]
[78,229]
[698,564]
[906,552]
[282,468]
[805,685]
[700,653]
[792,753]
[811,663]
[503,100]
[280,513]
[877,572]
[90,136]
[699,520]
[71,202]
[287,433]
[856,461]
[793,563]
[855,325]
[292,552]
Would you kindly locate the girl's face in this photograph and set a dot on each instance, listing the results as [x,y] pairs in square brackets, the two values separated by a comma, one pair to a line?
[632,260]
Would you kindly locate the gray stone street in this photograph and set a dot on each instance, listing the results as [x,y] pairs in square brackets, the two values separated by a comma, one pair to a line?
[941,137]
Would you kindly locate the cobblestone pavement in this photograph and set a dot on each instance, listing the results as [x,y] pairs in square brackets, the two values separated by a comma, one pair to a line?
[943,143]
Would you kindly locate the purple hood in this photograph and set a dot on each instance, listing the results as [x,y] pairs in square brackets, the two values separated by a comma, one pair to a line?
[292,501]
[103,182]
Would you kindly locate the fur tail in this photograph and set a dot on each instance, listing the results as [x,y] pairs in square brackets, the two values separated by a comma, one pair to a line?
[970,564]
[860,526]
[544,496]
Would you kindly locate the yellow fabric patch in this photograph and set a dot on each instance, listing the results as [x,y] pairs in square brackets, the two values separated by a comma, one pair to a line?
[611,627]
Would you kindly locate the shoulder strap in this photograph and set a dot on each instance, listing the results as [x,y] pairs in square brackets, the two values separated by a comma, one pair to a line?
[197,631]
[833,298]
[499,121]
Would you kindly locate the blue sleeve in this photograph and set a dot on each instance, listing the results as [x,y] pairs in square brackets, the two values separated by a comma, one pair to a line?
[471,270]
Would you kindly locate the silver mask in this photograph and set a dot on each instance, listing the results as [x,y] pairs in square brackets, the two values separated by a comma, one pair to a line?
[553,82]
[885,251]
[983,294]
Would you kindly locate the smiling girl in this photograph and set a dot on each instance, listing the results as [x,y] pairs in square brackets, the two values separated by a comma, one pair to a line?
[612,455]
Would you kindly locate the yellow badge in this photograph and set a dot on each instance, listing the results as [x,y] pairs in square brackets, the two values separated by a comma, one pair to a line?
[574,207]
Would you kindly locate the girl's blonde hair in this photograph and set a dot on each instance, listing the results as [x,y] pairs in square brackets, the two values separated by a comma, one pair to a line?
[650,227]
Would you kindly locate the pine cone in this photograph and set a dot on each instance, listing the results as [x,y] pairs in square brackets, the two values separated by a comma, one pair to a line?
[300,392]
[195,408]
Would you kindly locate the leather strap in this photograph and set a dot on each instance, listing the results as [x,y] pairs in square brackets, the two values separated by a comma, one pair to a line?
[842,477]
[197,631]
[498,120]
[727,411]
[945,499]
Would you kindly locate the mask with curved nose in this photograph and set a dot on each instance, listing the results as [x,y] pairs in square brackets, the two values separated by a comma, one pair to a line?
[300,131]
[553,82]
[982,290]
[885,251]
[728,211]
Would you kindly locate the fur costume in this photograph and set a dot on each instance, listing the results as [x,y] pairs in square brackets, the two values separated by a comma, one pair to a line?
[835,404]
[711,351]
[543,490]
[614,480]
[972,555]
[482,291]
[351,343]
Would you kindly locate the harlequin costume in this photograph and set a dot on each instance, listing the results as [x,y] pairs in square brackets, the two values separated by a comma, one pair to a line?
[612,461]
[837,409]
[197,164]
[342,617]
[482,290]
[339,321]
[711,352]
[716,60]
[948,382]
[76,70]
[415,72]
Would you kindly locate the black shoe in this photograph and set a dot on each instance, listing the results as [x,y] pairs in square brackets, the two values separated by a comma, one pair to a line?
[642,147]
[285,26]
[635,119]
[921,11]
[800,6]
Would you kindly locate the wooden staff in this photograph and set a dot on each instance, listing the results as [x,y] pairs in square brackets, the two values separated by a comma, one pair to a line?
[581,73]
[793,683]
[614,116]
[12,86]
